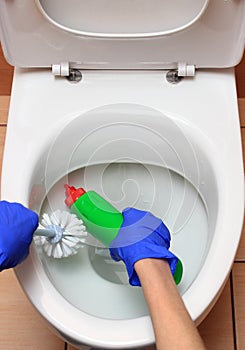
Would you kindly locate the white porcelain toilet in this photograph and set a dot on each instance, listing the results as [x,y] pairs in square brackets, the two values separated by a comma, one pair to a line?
[147,118]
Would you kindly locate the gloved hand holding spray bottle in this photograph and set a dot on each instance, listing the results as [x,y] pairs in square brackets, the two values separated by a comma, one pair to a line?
[151,238]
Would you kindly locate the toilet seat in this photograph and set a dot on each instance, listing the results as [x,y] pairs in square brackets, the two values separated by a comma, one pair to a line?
[207,127]
[56,104]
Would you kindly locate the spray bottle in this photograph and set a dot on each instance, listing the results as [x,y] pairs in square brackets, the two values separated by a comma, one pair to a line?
[101,219]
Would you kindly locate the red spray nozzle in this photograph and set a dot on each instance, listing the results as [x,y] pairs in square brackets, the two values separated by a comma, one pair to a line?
[72,194]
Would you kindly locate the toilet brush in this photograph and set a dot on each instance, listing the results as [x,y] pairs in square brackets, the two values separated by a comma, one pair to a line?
[60,234]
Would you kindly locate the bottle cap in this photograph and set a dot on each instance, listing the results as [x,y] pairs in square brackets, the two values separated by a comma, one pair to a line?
[72,194]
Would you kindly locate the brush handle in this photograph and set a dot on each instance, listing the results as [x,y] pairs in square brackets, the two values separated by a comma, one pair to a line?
[45,232]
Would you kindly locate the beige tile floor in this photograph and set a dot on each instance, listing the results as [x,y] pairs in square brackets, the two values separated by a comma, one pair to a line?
[21,327]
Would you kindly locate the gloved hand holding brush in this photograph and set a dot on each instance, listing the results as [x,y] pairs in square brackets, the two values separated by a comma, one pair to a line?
[17,225]
[142,235]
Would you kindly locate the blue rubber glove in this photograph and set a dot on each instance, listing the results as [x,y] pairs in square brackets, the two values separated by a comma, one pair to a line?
[142,235]
[17,225]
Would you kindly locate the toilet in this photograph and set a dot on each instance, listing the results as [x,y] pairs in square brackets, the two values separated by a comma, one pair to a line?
[137,101]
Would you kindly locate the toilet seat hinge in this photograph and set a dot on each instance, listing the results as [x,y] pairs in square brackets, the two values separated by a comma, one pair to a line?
[186,70]
[61,70]
[73,75]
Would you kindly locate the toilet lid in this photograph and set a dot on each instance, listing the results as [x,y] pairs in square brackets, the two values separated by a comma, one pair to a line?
[125,34]
[124,18]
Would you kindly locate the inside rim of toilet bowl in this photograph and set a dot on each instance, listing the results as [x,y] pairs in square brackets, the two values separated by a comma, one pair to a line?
[126,133]
[110,143]
[122,133]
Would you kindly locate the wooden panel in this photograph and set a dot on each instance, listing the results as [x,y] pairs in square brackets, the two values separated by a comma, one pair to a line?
[21,327]
[243,146]
[217,329]
[240,78]
[240,256]
[2,139]
[239,303]
[4,107]
[6,74]
[241,106]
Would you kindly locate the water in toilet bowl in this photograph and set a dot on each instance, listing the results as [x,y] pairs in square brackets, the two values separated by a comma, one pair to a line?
[94,283]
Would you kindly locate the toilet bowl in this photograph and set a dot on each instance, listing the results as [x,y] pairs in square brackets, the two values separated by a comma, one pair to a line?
[138,140]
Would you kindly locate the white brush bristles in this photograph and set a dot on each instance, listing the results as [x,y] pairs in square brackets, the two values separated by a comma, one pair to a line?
[73,235]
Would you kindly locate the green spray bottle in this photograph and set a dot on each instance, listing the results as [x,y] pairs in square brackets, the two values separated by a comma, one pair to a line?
[101,219]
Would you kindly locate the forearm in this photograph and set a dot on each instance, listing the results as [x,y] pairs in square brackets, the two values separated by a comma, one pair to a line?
[173,327]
